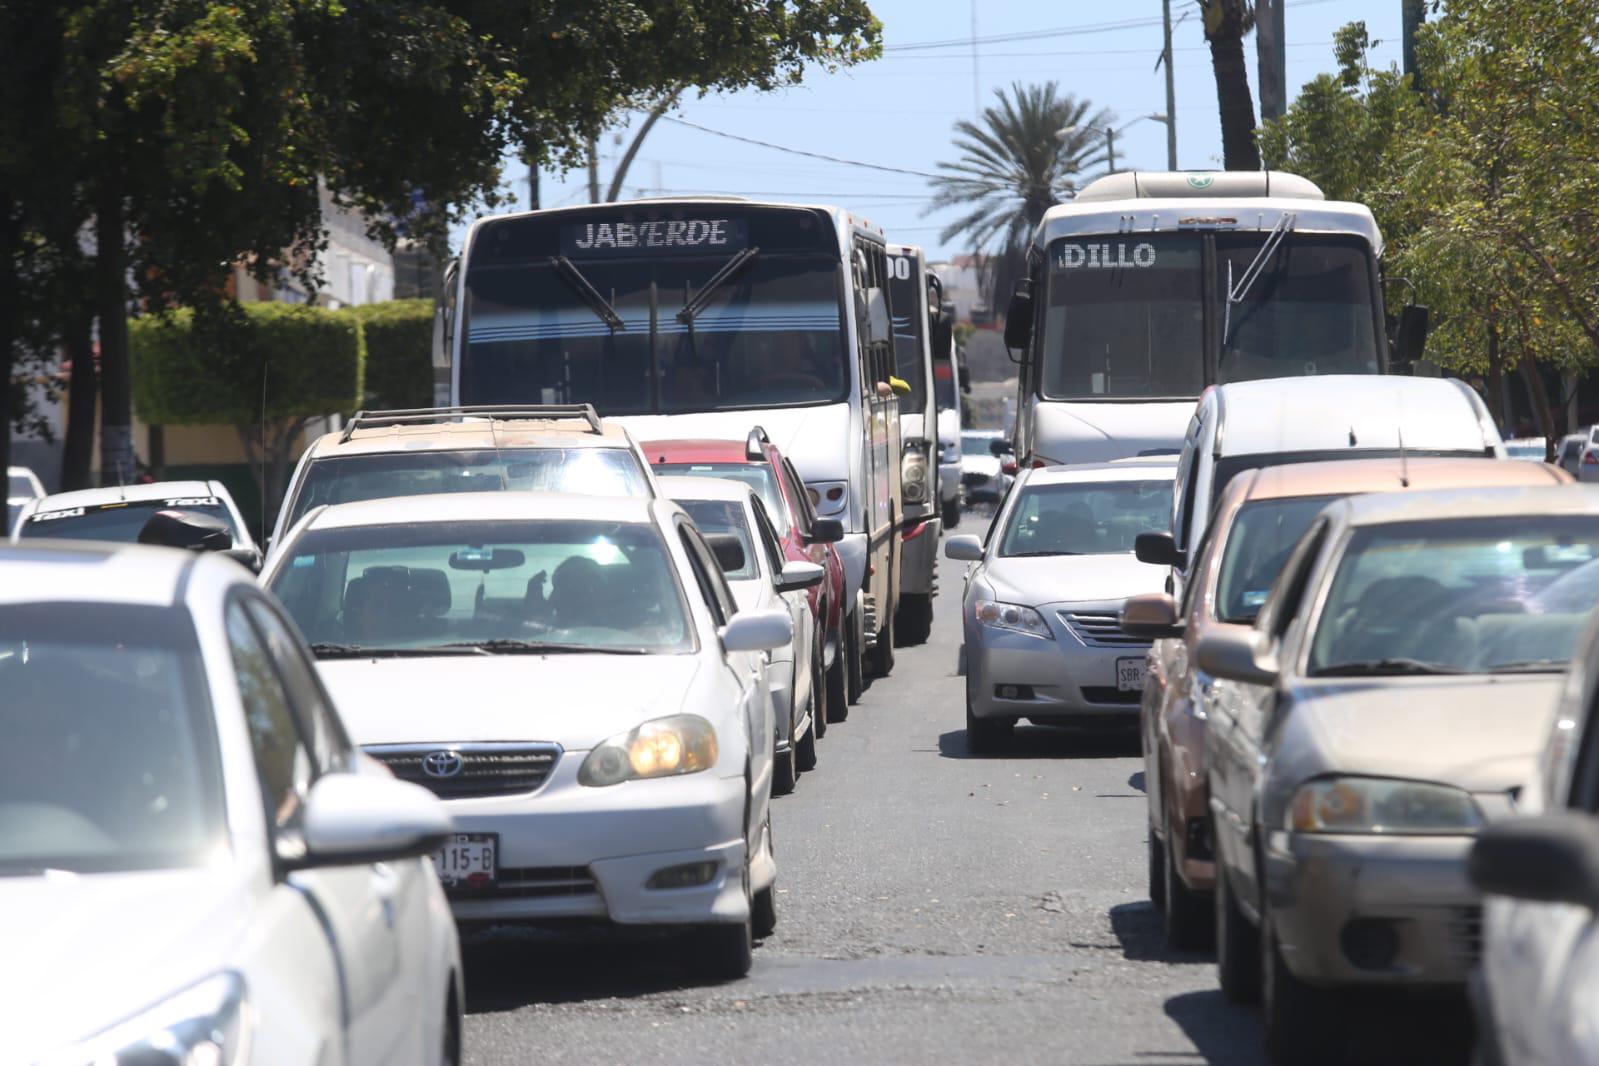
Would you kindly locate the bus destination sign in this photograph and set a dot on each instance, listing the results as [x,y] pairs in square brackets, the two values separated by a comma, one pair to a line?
[589,240]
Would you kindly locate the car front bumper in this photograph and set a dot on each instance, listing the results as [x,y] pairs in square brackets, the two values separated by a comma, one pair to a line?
[571,851]
[1373,910]
[1065,679]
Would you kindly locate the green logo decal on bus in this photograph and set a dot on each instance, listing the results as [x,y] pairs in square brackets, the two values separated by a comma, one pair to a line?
[1201,181]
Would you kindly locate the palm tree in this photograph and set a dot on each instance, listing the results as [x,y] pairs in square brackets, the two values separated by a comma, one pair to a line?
[1226,24]
[1012,168]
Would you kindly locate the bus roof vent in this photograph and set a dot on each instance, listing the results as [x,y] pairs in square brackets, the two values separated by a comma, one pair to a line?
[1184,184]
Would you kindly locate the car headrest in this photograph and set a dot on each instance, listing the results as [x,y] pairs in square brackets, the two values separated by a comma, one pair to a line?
[430,591]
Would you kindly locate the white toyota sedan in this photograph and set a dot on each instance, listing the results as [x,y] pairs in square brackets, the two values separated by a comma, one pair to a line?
[195,864]
[573,676]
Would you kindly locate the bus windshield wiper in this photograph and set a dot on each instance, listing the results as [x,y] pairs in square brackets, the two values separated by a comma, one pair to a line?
[697,302]
[585,288]
[1252,273]
[1382,667]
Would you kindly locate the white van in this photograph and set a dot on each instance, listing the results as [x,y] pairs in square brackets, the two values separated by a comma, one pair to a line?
[1252,424]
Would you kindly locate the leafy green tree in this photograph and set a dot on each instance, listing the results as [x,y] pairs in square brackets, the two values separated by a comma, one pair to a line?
[1012,168]
[398,335]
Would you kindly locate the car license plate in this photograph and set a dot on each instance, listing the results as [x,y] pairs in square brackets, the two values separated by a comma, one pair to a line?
[467,860]
[1129,675]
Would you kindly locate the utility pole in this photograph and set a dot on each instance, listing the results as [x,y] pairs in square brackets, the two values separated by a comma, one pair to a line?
[1413,13]
[594,170]
[1171,90]
[977,105]
[532,186]
[1272,58]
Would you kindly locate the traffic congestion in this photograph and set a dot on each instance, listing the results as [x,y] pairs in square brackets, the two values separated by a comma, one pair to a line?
[559,669]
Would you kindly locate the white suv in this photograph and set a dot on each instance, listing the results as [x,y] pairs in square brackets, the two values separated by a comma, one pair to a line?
[573,676]
[535,447]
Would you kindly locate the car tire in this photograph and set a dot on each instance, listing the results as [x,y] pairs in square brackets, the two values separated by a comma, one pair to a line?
[985,735]
[806,749]
[763,919]
[913,620]
[785,770]
[952,513]
[1237,945]
[1190,915]
[854,658]
[725,952]
[1303,1024]
[882,654]
[1157,871]
[837,704]
[450,1054]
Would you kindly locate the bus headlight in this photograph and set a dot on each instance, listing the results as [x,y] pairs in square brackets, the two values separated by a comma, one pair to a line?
[913,477]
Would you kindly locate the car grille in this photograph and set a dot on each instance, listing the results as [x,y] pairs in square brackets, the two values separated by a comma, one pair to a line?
[1100,629]
[1464,926]
[531,882]
[1107,694]
[484,769]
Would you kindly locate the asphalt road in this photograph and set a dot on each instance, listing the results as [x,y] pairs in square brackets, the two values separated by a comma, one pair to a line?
[933,907]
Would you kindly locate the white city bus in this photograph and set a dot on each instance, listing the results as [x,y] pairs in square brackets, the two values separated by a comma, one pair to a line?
[916,296]
[1148,287]
[703,318]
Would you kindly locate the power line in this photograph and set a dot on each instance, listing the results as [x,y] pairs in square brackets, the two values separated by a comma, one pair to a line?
[797,151]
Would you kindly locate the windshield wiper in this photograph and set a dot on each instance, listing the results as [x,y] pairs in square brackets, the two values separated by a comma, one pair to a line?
[360,651]
[1527,666]
[325,649]
[585,288]
[503,646]
[1034,555]
[1382,667]
[697,302]
[1252,273]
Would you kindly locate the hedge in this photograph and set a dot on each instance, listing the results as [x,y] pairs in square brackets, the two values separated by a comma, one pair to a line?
[189,372]
[399,353]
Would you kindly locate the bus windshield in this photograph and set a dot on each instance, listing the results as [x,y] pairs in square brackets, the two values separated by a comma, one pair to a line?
[635,327]
[1126,316]
[909,325]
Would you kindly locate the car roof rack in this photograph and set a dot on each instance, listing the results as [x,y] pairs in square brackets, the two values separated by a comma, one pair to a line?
[500,412]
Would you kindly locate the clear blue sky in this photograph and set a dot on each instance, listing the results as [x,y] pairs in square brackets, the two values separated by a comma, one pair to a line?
[898,111]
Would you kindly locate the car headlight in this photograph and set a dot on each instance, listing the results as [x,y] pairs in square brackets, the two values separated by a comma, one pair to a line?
[1382,805]
[665,747]
[207,1023]
[1014,617]
[828,497]
[913,477]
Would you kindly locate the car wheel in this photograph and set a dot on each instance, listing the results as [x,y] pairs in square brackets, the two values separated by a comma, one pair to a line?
[836,707]
[914,620]
[725,952]
[952,513]
[764,919]
[805,749]
[785,771]
[854,655]
[451,1052]
[1303,1024]
[1157,871]
[985,735]
[1237,945]
[882,653]
[1189,914]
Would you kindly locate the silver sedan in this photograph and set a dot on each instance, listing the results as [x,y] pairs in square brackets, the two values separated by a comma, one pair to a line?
[1043,595]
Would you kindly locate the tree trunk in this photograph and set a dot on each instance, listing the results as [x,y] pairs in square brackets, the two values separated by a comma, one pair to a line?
[1224,29]
[1533,379]
[83,388]
[1498,400]
[111,303]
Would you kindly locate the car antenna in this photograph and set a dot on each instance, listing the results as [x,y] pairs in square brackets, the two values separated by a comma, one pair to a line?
[499,461]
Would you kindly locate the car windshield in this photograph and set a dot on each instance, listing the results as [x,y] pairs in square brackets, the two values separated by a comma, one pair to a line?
[909,324]
[1466,595]
[758,476]
[110,762]
[771,336]
[1086,517]
[978,443]
[1125,317]
[347,479]
[18,485]
[539,585]
[1262,535]
[725,516]
[119,521]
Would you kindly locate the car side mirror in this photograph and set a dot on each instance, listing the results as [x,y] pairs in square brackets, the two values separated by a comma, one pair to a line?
[1410,339]
[1236,653]
[1152,616]
[248,558]
[999,448]
[943,337]
[1549,858]
[171,528]
[1019,319]
[757,631]
[966,547]
[826,531]
[728,549]
[797,576]
[353,819]
[1159,549]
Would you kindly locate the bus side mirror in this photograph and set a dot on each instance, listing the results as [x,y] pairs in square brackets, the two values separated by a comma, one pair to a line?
[1019,319]
[943,337]
[1410,339]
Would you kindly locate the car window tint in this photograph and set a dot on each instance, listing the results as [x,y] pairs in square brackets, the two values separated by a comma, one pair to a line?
[799,500]
[330,747]
[1283,601]
[282,762]
[703,569]
[770,542]
[718,580]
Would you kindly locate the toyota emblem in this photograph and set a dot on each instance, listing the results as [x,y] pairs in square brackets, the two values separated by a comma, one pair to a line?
[444,763]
